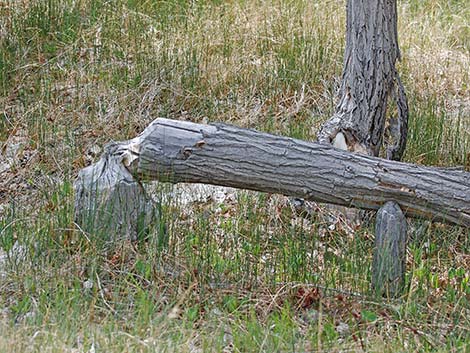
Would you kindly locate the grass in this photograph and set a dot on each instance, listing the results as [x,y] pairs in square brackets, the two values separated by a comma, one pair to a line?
[247,273]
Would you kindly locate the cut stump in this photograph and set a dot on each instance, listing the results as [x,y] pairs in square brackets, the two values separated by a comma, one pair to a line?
[109,201]
[389,264]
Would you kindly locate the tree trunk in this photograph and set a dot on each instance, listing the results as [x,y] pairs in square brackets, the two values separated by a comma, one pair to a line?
[369,81]
[218,154]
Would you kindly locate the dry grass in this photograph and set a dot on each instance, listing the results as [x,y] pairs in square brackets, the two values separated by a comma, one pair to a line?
[76,74]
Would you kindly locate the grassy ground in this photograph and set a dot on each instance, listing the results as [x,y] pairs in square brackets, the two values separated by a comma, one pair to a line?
[244,274]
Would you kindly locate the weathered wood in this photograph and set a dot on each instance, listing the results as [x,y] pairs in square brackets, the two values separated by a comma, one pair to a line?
[109,201]
[176,151]
[389,264]
[231,156]
[369,80]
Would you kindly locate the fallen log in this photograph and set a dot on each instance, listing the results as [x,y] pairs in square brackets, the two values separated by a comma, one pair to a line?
[179,151]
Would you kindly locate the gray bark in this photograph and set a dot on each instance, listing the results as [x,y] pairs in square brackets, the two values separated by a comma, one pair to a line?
[388,269]
[175,151]
[369,81]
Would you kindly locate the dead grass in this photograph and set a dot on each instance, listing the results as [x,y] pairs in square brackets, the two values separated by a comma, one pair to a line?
[83,73]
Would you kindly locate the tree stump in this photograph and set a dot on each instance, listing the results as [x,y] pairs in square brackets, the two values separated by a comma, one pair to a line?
[389,264]
[110,203]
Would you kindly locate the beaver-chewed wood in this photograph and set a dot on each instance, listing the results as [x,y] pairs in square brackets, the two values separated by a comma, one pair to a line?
[389,265]
[219,154]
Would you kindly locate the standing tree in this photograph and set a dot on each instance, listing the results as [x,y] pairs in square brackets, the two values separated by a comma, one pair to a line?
[369,82]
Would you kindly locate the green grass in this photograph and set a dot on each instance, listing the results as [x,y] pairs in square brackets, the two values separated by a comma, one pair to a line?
[245,275]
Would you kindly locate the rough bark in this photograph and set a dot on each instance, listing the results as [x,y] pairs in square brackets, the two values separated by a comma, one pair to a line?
[388,268]
[176,151]
[369,80]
